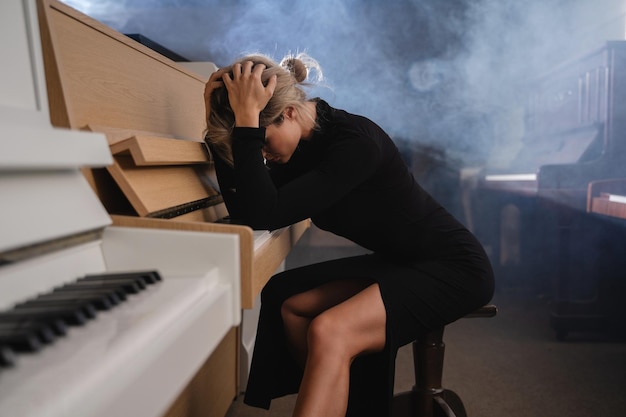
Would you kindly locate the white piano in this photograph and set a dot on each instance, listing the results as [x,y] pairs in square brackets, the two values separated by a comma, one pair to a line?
[136,358]
[103,170]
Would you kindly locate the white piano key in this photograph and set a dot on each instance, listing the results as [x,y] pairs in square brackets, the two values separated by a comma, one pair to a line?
[260,237]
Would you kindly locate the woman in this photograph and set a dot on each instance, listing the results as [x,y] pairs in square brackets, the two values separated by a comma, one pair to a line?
[331,331]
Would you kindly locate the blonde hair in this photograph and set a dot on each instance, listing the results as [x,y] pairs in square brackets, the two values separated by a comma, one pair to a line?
[292,75]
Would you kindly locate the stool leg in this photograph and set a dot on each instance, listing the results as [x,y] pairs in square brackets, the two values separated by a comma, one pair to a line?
[428,354]
[428,398]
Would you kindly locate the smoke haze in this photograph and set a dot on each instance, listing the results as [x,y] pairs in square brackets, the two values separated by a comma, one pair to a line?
[442,73]
[446,77]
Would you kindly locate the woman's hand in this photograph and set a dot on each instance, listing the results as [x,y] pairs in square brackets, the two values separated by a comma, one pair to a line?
[215,81]
[247,94]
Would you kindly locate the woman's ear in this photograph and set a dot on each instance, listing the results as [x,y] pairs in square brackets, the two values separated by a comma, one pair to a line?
[289,112]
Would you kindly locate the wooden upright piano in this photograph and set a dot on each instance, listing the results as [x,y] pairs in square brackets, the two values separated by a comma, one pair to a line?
[575,133]
[100,80]
[591,282]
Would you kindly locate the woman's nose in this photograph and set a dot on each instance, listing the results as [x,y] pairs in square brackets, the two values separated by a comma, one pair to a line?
[267,156]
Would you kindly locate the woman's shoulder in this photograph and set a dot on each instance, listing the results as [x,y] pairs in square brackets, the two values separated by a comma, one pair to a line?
[337,118]
[340,124]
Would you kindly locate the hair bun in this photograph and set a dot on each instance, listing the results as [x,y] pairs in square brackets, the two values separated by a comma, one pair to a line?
[296,67]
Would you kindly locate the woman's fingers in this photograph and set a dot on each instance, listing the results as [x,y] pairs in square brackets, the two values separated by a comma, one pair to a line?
[258,69]
[215,81]
[271,85]
[246,93]
[209,87]
[241,69]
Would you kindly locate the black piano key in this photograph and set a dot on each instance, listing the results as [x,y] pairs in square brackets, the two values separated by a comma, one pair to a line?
[23,342]
[139,281]
[123,286]
[87,307]
[7,356]
[73,315]
[150,277]
[102,300]
[110,294]
[115,290]
[41,330]
[130,284]
[24,337]
[16,316]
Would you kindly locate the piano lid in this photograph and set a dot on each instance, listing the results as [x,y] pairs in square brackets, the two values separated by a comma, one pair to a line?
[574,121]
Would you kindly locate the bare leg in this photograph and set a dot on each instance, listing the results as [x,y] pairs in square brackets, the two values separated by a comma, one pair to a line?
[345,329]
[298,310]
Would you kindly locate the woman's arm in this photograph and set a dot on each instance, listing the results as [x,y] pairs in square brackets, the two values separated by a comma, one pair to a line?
[345,165]
[227,184]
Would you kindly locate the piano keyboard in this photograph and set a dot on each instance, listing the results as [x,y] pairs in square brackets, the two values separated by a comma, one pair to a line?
[39,321]
[132,359]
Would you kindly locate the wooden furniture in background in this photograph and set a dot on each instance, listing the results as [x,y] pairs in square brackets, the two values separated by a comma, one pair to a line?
[607,197]
[574,133]
[590,285]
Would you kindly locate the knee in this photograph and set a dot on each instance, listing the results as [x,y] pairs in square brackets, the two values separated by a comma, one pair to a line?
[326,335]
[289,309]
[290,305]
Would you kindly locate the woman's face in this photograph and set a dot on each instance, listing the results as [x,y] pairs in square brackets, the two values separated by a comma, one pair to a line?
[282,140]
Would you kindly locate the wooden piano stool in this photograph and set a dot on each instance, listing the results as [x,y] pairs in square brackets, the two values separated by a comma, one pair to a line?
[428,398]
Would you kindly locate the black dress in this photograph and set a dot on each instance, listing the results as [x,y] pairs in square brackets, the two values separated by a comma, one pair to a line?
[350,179]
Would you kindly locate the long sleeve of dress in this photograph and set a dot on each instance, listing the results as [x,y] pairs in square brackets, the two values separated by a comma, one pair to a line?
[263,205]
